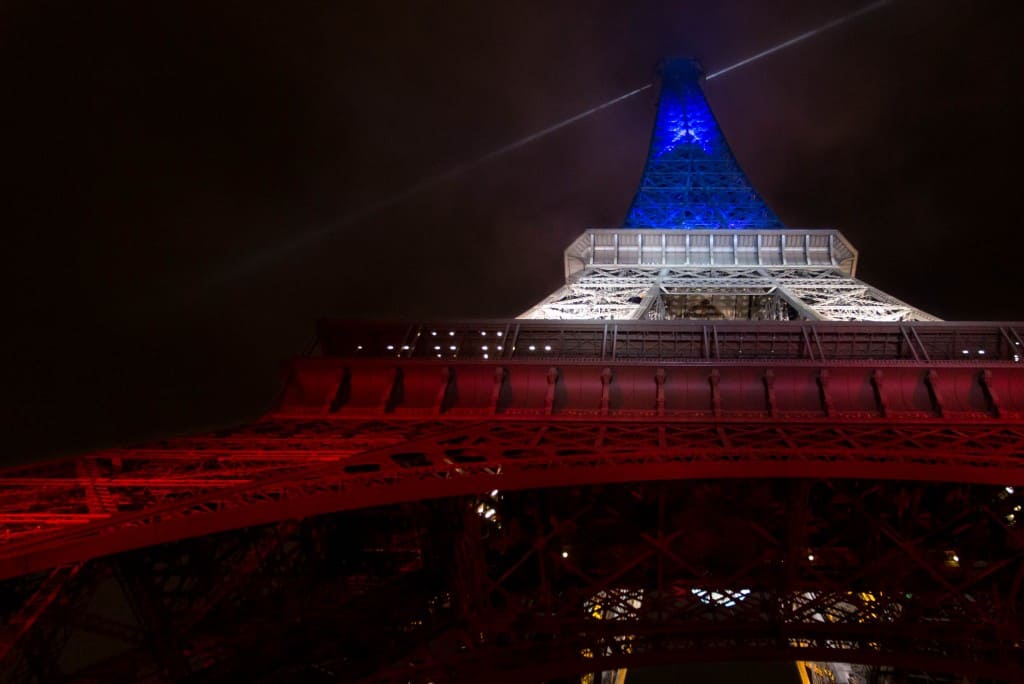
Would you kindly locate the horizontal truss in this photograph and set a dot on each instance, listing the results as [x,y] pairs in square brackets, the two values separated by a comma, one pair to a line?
[633,293]
[679,341]
[624,274]
[51,515]
[703,249]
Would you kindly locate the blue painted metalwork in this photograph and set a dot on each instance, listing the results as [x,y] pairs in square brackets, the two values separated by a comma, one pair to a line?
[691,180]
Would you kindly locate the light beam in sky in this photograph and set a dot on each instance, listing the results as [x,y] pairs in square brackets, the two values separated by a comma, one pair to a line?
[827,26]
[308,236]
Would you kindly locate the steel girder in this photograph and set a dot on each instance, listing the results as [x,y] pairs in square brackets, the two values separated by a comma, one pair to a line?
[632,293]
[437,459]
[560,406]
[546,583]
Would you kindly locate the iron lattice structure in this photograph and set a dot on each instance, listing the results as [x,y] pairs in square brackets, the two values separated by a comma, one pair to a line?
[754,455]
[691,179]
[774,275]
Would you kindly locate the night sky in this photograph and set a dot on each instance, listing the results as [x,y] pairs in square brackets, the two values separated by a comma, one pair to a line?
[167,161]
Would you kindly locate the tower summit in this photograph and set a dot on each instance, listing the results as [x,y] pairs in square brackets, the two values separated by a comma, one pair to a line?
[712,443]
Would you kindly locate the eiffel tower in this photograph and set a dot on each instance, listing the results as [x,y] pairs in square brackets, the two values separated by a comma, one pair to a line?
[699,243]
[714,443]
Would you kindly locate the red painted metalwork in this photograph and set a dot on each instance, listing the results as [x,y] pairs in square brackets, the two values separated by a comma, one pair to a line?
[557,581]
[884,448]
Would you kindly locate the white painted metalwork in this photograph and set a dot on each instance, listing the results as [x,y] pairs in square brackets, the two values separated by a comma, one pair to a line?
[717,274]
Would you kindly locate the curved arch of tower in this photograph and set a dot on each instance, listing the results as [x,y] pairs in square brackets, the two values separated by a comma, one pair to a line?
[713,443]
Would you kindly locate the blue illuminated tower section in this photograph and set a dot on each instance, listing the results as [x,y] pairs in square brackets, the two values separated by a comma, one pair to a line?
[691,180]
[699,243]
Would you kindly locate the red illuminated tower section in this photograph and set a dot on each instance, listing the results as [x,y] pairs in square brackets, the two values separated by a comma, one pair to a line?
[713,444]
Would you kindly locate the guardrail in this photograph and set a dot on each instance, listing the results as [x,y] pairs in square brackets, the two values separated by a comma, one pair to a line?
[981,342]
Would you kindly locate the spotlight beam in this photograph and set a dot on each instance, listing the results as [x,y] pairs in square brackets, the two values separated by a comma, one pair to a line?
[270,254]
[827,26]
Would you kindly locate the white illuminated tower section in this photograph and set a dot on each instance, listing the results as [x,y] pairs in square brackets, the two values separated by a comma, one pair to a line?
[700,244]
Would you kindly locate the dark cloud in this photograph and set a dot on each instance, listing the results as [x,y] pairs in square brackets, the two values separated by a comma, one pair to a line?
[153,147]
